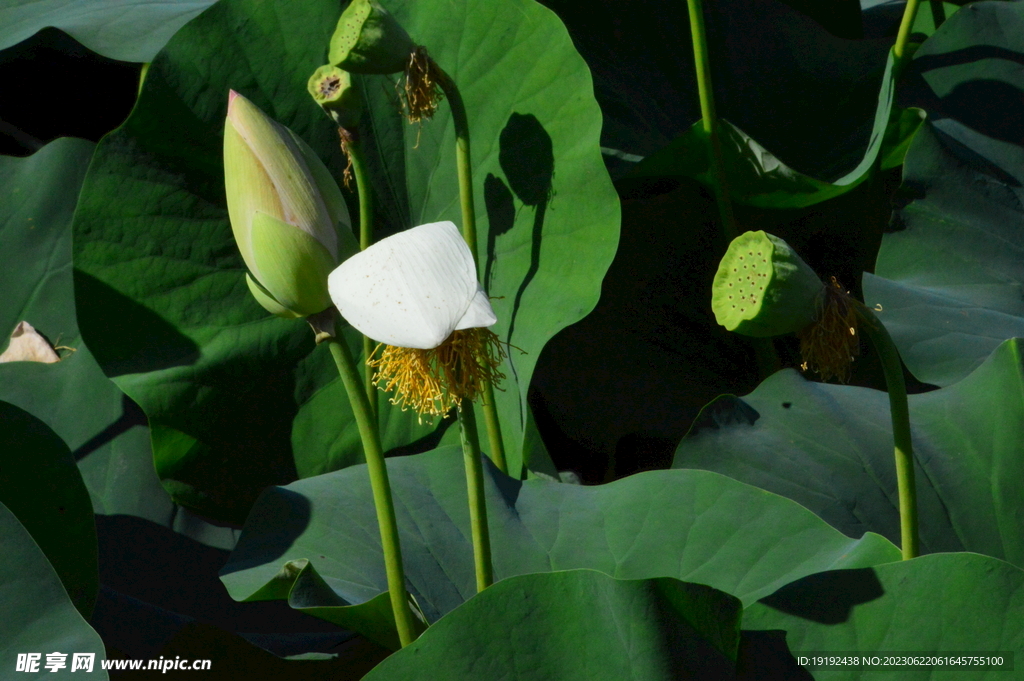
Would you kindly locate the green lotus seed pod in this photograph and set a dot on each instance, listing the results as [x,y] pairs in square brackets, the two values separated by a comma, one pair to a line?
[332,88]
[369,40]
[763,288]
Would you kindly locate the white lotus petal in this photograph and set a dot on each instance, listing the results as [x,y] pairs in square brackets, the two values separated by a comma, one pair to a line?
[479,313]
[412,289]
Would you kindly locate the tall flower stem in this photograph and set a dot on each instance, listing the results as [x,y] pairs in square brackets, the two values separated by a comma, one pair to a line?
[710,119]
[898,408]
[464,168]
[889,356]
[764,350]
[325,325]
[477,501]
[355,154]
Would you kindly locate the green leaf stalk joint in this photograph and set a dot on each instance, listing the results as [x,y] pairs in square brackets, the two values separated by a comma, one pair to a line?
[333,89]
[325,325]
[763,288]
[287,213]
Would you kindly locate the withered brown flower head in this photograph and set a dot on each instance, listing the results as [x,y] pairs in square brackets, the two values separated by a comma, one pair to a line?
[829,344]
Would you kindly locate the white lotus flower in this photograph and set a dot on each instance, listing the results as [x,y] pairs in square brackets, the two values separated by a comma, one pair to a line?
[417,293]
[412,289]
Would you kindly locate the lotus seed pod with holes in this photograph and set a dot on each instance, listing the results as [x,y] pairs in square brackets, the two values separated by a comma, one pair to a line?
[369,40]
[763,288]
[332,88]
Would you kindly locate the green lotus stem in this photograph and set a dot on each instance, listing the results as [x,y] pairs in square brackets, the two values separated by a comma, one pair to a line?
[355,154]
[891,366]
[463,163]
[900,48]
[465,173]
[325,324]
[477,501]
[765,356]
[710,119]
[904,448]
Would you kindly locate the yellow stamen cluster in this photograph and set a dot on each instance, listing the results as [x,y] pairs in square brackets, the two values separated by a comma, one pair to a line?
[432,382]
[422,86]
[829,345]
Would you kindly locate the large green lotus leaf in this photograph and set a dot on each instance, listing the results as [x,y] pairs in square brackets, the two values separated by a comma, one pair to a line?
[950,280]
[932,14]
[159,282]
[578,625]
[883,17]
[957,603]
[128,30]
[692,525]
[758,178]
[41,485]
[830,448]
[37,199]
[38,615]
[104,430]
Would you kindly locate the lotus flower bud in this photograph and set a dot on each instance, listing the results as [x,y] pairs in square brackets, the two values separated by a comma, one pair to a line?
[287,214]
[369,40]
[763,288]
[332,88]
